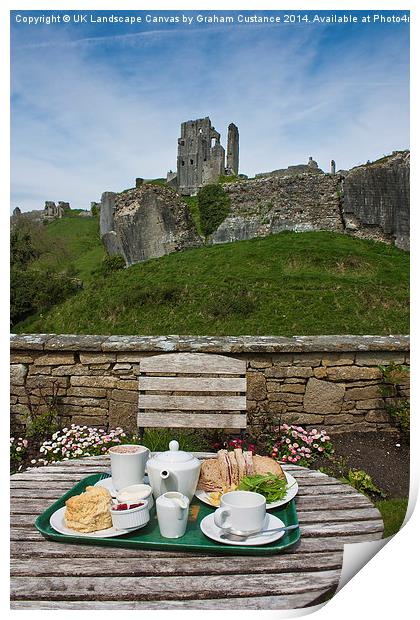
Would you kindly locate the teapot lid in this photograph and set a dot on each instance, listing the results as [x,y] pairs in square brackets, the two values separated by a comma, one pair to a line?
[174,454]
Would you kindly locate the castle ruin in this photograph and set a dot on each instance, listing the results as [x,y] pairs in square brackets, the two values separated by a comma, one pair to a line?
[201,157]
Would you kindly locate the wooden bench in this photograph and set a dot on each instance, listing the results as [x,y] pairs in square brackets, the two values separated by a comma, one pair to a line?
[192,390]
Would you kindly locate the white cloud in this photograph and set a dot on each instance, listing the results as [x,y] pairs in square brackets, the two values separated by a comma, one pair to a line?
[92,115]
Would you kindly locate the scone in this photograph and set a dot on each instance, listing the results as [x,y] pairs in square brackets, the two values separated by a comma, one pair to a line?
[89,511]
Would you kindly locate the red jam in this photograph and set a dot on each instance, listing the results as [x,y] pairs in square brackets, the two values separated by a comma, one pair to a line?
[126,506]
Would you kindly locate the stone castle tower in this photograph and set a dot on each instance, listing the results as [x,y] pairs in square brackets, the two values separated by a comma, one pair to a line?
[201,157]
[232,159]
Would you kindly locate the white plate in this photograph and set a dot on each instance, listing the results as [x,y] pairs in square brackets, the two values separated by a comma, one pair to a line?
[106,483]
[292,489]
[210,529]
[58,523]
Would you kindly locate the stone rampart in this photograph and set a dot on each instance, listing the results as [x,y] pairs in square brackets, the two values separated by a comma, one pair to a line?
[333,382]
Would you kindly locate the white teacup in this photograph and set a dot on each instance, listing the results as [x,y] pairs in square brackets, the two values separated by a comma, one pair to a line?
[241,512]
[128,462]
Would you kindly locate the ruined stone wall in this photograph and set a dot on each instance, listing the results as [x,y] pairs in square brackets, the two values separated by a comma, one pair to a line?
[264,206]
[331,382]
[376,200]
[152,221]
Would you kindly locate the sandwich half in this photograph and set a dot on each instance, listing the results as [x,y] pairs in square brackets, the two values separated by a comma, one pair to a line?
[267,465]
[210,476]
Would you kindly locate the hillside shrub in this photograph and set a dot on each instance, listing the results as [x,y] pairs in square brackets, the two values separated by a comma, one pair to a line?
[214,206]
[110,264]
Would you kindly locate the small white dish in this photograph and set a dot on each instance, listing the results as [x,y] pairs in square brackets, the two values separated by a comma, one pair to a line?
[292,489]
[130,518]
[210,529]
[57,522]
[106,483]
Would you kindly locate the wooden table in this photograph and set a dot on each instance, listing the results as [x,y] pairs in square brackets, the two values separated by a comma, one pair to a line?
[50,575]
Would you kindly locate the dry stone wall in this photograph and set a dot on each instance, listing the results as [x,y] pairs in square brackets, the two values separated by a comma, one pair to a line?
[328,381]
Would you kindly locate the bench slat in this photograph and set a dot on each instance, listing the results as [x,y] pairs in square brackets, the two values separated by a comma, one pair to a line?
[195,363]
[193,384]
[192,420]
[192,403]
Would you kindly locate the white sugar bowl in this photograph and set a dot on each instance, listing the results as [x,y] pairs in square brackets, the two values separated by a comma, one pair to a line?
[173,470]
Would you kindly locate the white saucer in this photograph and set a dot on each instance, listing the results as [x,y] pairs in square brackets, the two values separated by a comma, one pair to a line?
[57,522]
[210,529]
[106,483]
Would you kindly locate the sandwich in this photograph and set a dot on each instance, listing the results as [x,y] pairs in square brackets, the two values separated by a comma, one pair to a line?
[266,465]
[210,476]
[225,472]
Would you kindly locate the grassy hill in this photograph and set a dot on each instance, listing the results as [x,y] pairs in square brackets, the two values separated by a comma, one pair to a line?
[285,284]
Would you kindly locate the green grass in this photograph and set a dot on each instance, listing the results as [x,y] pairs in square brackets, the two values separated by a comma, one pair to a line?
[285,284]
[73,241]
[393,513]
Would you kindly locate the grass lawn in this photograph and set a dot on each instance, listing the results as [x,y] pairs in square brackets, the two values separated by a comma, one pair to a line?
[393,513]
[285,284]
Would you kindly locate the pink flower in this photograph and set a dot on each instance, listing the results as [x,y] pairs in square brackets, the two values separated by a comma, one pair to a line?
[287,440]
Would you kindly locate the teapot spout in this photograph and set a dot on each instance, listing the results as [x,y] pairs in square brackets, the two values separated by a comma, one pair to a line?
[164,474]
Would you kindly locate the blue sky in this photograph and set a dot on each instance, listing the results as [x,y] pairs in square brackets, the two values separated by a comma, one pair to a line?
[95,105]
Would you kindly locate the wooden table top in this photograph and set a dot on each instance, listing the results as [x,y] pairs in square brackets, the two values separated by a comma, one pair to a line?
[51,575]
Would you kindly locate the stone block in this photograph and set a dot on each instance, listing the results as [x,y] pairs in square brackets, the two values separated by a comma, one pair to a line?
[95,382]
[371,403]
[74,342]
[86,411]
[13,400]
[376,415]
[125,366]
[306,419]
[341,418]
[18,390]
[294,380]
[123,414]
[374,358]
[83,402]
[132,358]
[18,373]
[263,363]
[39,370]
[362,393]
[338,359]
[320,373]
[19,409]
[100,421]
[68,370]
[284,359]
[22,358]
[323,397]
[54,359]
[36,382]
[97,358]
[126,383]
[256,386]
[352,373]
[296,388]
[99,367]
[307,359]
[283,372]
[87,392]
[285,397]
[273,385]
[125,396]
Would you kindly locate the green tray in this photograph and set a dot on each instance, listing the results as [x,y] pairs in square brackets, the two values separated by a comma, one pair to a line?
[149,537]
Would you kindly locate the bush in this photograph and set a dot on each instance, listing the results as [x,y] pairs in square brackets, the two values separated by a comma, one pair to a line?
[214,206]
[34,291]
[110,264]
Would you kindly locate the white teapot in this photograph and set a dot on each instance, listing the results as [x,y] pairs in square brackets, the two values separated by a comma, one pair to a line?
[173,470]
